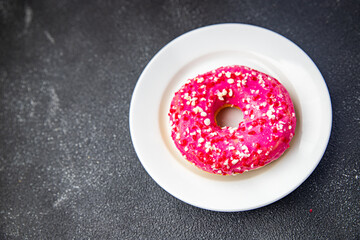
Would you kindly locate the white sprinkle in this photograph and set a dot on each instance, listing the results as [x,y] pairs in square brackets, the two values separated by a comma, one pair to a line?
[220,96]
[228,74]
[197,109]
[230,81]
[186,149]
[207,122]
[245,148]
[212,134]
[259,151]
[270,115]
[230,92]
[290,127]
[201,140]
[178,136]
[234,162]
[203,114]
[224,92]
[200,80]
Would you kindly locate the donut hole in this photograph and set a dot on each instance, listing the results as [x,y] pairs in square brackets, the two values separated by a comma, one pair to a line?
[229,116]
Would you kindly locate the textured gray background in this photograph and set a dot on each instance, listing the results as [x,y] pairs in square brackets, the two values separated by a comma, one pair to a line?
[67,166]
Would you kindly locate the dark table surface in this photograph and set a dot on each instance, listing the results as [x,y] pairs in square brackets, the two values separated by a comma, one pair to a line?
[68,169]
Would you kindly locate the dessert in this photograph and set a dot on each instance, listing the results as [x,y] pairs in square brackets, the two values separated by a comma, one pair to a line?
[263,135]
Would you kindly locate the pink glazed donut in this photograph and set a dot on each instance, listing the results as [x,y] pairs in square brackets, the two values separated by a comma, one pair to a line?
[262,137]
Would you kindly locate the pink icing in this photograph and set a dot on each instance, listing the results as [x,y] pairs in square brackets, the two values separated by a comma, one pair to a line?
[262,137]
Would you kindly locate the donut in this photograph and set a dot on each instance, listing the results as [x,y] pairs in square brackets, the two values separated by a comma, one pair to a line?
[260,138]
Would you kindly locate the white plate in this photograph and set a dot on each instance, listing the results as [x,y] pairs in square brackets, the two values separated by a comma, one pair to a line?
[208,48]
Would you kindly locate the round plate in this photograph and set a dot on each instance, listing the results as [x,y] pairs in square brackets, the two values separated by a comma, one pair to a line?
[202,50]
